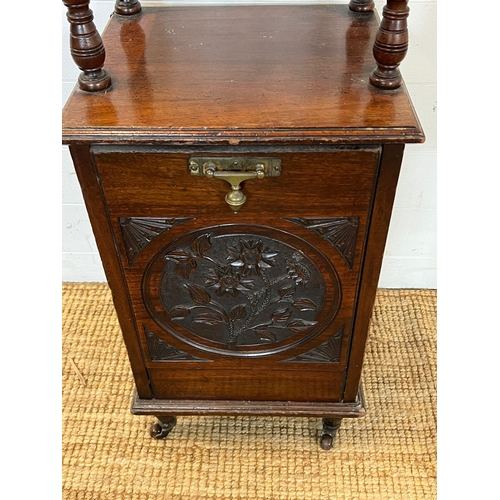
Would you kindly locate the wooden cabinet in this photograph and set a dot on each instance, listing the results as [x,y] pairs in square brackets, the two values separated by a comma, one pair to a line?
[239,174]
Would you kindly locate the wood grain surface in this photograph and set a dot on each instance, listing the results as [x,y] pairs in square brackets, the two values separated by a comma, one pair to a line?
[156,183]
[241,74]
[288,82]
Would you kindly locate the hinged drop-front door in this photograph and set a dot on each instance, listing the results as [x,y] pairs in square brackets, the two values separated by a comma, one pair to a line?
[242,266]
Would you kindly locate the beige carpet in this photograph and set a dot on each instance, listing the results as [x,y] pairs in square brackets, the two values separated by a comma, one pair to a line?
[389,454]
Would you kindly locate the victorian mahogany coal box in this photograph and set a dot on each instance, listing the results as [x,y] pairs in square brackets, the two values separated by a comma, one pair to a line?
[239,166]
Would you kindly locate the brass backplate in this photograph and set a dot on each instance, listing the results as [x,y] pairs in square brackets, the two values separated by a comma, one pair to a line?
[199,165]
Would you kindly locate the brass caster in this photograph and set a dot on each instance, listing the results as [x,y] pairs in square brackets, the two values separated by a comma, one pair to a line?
[326,442]
[330,428]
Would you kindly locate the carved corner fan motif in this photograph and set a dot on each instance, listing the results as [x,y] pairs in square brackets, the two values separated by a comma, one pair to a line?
[327,352]
[138,232]
[241,293]
[159,350]
[340,232]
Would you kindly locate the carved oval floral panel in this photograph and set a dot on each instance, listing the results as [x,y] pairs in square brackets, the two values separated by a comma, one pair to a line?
[242,290]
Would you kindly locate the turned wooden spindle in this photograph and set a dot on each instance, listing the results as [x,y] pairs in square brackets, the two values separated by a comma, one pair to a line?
[86,46]
[391,45]
[362,5]
[127,7]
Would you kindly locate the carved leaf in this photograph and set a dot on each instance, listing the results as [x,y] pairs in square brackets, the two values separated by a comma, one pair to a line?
[300,325]
[201,245]
[238,312]
[304,270]
[282,315]
[197,293]
[179,255]
[209,319]
[304,305]
[184,269]
[179,313]
[287,292]
[265,335]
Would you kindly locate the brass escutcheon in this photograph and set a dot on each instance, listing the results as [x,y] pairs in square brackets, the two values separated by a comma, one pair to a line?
[234,171]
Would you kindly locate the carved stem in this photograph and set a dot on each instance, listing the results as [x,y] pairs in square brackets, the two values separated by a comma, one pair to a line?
[127,7]
[255,308]
[86,46]
[362,5]
[391,45]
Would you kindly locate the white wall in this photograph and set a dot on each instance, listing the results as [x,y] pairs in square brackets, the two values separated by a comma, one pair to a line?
[410,258]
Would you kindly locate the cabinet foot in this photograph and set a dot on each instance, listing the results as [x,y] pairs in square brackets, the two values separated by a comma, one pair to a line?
[329,432]
[163,427]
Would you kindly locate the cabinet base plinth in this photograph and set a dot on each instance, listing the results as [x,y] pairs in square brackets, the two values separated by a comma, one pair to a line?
[167,407]
[331,413]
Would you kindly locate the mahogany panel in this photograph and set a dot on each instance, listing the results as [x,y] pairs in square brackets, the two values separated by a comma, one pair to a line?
[390,165]
[151,194]
[148,183]
[257,384]
[106,243]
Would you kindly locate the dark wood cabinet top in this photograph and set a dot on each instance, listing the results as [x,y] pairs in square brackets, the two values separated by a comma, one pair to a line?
[229,75]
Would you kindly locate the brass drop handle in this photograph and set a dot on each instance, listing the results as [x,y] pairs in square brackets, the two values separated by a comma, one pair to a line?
[235,171]
[235,198]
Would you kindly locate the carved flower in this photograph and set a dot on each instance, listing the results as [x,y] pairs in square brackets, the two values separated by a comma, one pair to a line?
[251,257]
[298,272]
[226,282]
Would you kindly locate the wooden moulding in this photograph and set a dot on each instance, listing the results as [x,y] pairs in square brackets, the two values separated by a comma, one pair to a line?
[164,407]
[221,137]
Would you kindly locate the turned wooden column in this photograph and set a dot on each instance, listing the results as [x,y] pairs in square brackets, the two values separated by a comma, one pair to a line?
[86,46]
[362,5]
[127,7]
[391,45]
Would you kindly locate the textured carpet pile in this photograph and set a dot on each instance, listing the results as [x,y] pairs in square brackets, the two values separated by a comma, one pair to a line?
[390,454]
